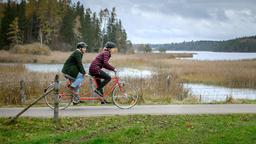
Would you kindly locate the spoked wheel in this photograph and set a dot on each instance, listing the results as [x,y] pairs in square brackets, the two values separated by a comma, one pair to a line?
[65,97]
[125,96]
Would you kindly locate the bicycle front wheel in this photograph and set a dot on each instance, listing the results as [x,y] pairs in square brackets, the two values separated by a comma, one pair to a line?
[65,97]
[125,96]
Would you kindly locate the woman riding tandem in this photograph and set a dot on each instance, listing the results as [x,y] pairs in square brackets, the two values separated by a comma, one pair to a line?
[73,70]
[101,61]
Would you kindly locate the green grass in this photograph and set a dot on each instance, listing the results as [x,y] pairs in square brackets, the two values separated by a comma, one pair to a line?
[238,128]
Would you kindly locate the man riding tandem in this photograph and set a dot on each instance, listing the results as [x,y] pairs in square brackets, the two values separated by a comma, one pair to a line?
[73,69]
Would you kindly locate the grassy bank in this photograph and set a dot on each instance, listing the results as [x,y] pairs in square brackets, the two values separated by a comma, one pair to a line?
[239,128]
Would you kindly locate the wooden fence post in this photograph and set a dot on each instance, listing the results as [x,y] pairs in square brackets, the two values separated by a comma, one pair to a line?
[25,109]
[168,81]
[56,99]
[22,92]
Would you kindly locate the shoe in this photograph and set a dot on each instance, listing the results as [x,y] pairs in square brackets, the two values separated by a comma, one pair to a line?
[76,99]
[105,102]
[68,85]
[98,93]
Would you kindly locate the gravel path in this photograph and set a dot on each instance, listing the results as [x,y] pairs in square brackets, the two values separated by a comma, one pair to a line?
[80,111]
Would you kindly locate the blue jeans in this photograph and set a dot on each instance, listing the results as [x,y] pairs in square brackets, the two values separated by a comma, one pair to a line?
[77,82]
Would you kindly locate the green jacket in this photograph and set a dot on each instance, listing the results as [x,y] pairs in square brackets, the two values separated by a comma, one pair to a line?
[73,64]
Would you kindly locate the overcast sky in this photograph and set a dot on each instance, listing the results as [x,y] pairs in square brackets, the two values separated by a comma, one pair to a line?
[166,21]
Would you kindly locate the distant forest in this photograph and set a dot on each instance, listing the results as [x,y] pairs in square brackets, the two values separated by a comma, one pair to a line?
[59,24]
[245,44]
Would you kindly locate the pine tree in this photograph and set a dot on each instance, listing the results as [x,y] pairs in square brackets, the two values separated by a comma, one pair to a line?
[32,21]
[77,29]
[21,15]
[9,14]
[123,41]
[58,24]
[111,29]
[79,19]
[96,33]
[66,30]
[130,48]
[87,29]
[49,16]
[2,7]
[104,18]
[121,38]
[14,34]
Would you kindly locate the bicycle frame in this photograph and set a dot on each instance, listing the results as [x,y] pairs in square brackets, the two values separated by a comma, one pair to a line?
[123,94]
[88,96]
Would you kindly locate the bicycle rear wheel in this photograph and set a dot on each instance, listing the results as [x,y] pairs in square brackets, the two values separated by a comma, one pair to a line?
[125,96]
[65,97]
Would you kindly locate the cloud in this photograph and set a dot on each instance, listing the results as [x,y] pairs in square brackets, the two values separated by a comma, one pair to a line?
[164,21]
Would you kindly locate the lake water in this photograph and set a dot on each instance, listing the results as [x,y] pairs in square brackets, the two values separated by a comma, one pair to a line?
[211,93]
[122,72]
[216,56]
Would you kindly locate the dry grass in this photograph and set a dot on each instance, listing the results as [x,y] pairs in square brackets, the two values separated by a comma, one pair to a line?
[162,88]
[226,73]
[153,90]
[218,73]
[53,57]
[60,57]
[11,75]
[33,49]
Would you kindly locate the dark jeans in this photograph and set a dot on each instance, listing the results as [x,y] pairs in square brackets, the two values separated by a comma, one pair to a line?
[102,75]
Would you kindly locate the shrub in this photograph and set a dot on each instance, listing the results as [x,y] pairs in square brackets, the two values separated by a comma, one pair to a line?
[162,50]
[34,49]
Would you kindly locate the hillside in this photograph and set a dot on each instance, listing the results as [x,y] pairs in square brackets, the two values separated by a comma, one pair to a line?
[245,44]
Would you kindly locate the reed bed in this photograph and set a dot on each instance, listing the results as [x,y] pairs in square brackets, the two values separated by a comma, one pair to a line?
[160,88]
[163,87]
[224,73]
[240,74]
[60,57]
[12,74]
